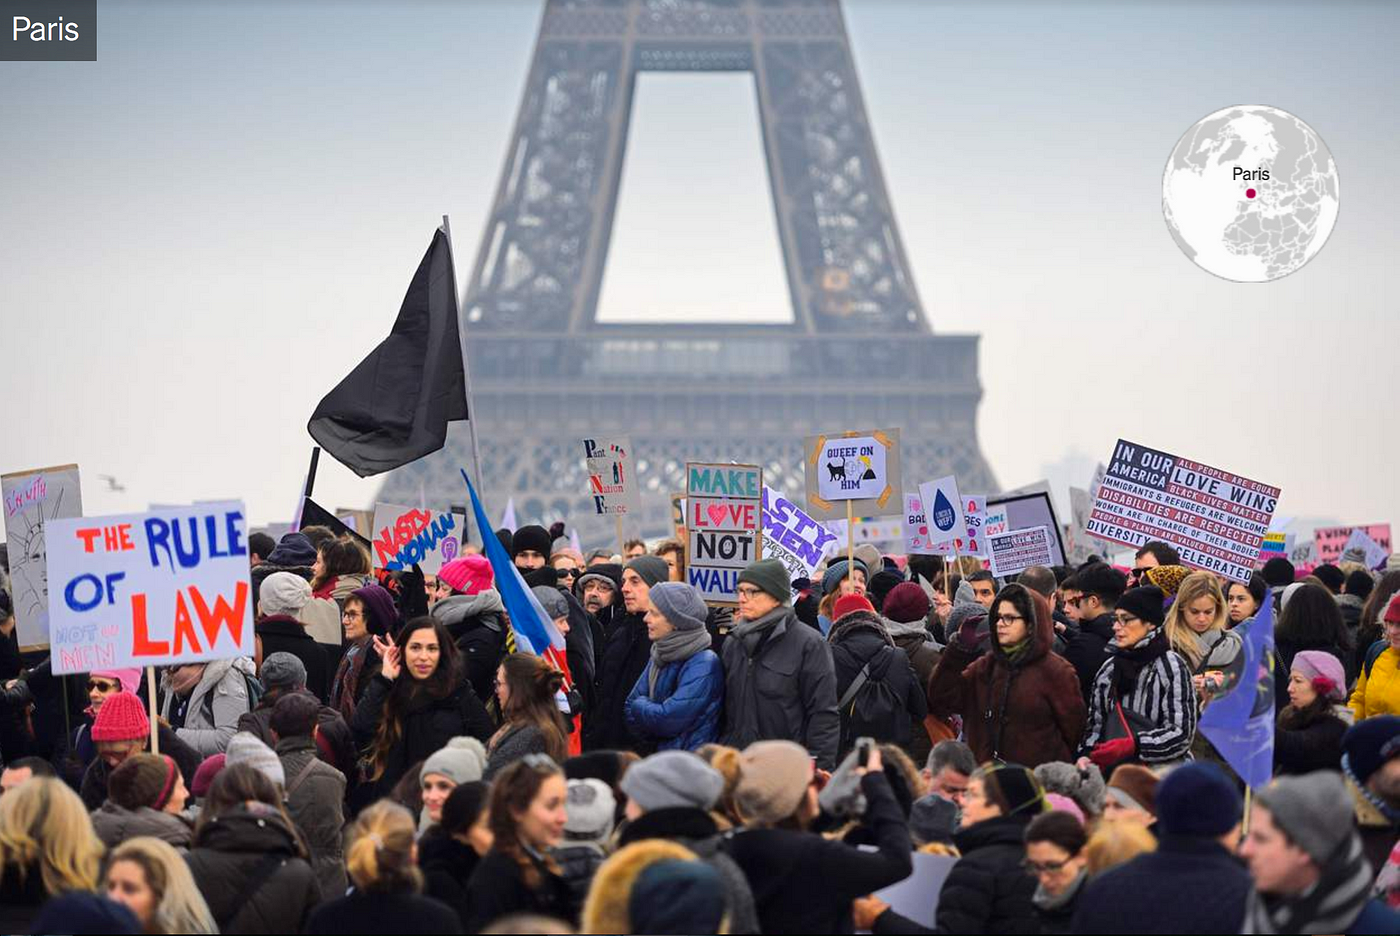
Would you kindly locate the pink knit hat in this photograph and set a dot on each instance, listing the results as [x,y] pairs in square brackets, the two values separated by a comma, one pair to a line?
[1324,671]
[129,678]
[121,718]
[467,574]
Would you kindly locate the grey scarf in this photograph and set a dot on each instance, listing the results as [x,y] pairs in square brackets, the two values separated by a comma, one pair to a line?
[1044,901]
[675,646]
[749,632]
[1330,906]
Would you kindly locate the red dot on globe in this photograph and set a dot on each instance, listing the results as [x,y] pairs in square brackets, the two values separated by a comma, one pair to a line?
[1249,193]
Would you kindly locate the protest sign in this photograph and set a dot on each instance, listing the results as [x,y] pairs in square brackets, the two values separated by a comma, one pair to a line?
[996,523]
[1332,541]
[32,499]
[678,516]
[918,539]
[1216,520]
[1239,718]
[1015,550]
[1024,511]
[853,474]
[881,530]
[1276,544]
[168,586]
[724,507]
[793,537]
[1303,556]
[916,897]
[405,536]
[945,510]
[1361,548]
[611,482]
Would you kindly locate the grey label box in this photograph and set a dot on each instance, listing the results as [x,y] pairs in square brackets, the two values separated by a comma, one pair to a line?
[48,30]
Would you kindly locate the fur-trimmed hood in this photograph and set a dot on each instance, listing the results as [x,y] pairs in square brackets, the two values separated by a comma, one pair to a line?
[605,911]
[857,622]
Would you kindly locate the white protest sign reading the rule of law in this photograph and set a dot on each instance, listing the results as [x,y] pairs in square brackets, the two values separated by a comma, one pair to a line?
[612,483]
[1016,550]
[32,499]
[408,536]
[943,506]
[168,586]
[791,536]
[1214,519]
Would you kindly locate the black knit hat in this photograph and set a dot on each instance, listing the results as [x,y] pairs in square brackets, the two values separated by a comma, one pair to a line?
[1012,787]
[530,537]
[1145,603]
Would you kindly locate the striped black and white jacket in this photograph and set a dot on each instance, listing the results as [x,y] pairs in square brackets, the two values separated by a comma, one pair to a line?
[1165,699]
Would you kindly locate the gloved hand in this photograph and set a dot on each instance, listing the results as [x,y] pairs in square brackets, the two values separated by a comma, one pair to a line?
[1113,752]
[971,634]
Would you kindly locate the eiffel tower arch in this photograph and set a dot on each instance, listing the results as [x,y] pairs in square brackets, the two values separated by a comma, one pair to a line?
[859,352]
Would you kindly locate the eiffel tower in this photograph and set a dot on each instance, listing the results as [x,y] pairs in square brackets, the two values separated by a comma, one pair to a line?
[859,352]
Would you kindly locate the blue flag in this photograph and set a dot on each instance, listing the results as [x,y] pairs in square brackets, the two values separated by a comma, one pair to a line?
[1240,723]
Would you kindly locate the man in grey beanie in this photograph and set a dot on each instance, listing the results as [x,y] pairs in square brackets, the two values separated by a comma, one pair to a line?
[1310,875]
[780,682]
[625,652]
[669,796]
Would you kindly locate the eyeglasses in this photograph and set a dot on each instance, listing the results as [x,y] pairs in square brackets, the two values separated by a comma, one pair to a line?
[1009,618]
[101,685]
[1049,867]
[352,615]
[747,592]
[1126,619]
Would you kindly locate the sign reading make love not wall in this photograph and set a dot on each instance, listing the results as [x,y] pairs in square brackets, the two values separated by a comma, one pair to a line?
[168,586]
[407,536]
[612,483]
[724,505]
[32,500]
[1216,520]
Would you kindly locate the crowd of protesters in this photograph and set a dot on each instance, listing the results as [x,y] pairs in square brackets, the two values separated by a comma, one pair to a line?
[388,762]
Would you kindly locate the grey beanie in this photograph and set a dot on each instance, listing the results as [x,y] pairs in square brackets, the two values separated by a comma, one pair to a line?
[770,576]
[831,581]
[651,569]
[461,760]
[247,748]
[282,670]
[1313,810]
[933,819]
[672,779]
[552,600]
[868,555]
[961,613]
[283,593]
[591,809]
[680,604]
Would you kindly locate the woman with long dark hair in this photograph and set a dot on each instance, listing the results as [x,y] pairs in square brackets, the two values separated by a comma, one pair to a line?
[527,816]
[526,686]
[414,705]
[1310,620]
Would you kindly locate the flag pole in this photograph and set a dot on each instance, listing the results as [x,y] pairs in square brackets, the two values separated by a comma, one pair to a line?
[466,365]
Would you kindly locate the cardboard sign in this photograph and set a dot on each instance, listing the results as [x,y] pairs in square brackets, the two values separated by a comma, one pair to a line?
[724,514]
[1361,548]
[1024,511]
[403,536]
[32,499]
[1332,541]
[946,512]
[611,481]
[1216,520]
[1016,550]
[793,537]
[860,468]
[168,586]
[917,538]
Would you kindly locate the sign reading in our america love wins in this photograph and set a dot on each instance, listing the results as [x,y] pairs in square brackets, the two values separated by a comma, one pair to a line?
[724,505]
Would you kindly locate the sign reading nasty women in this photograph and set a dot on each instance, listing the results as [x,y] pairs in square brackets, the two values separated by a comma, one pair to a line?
[164,587]
[409,536]
[792,536]
[1216,520]
[724,505]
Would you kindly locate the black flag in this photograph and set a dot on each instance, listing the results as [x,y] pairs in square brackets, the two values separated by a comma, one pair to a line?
[313,514]
[395,406]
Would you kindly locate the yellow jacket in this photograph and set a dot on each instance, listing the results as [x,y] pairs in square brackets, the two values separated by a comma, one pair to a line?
[1379,693]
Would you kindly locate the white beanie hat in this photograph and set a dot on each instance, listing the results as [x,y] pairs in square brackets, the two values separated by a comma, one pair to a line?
[283,593]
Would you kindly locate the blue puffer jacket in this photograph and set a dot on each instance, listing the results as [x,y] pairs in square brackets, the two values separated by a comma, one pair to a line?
[683,712]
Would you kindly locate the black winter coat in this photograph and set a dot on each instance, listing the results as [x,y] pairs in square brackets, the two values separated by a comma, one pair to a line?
[383,913]
[1087,648]
[427,726]
[497,888]
[987,890]
[1314,746]
[804,883]
[477,625]
[625,655]
[280,633]
[447,865]
[860,638]
[1191,885]
[245,864]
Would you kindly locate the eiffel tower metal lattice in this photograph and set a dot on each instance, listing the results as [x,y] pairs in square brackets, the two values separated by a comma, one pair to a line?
[860,352]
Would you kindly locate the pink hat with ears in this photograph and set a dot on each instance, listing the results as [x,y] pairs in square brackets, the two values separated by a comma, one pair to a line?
[129,678]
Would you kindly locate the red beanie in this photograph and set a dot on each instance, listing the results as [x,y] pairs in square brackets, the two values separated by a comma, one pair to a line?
[204,776]
[467,574]
[1392,613]
[906,602]
[121,718]
[848,603]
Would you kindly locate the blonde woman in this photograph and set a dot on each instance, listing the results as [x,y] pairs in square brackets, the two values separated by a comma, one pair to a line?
[153,881]
[383,864]
[1198,629]
[47,847]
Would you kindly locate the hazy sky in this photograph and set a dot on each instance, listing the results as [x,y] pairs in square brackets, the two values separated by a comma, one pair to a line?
[206,229]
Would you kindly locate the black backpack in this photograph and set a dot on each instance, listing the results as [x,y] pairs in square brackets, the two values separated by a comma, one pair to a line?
[1373,653]
[871,708]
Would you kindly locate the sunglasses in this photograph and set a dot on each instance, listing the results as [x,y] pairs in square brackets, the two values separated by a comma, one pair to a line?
[102,685]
